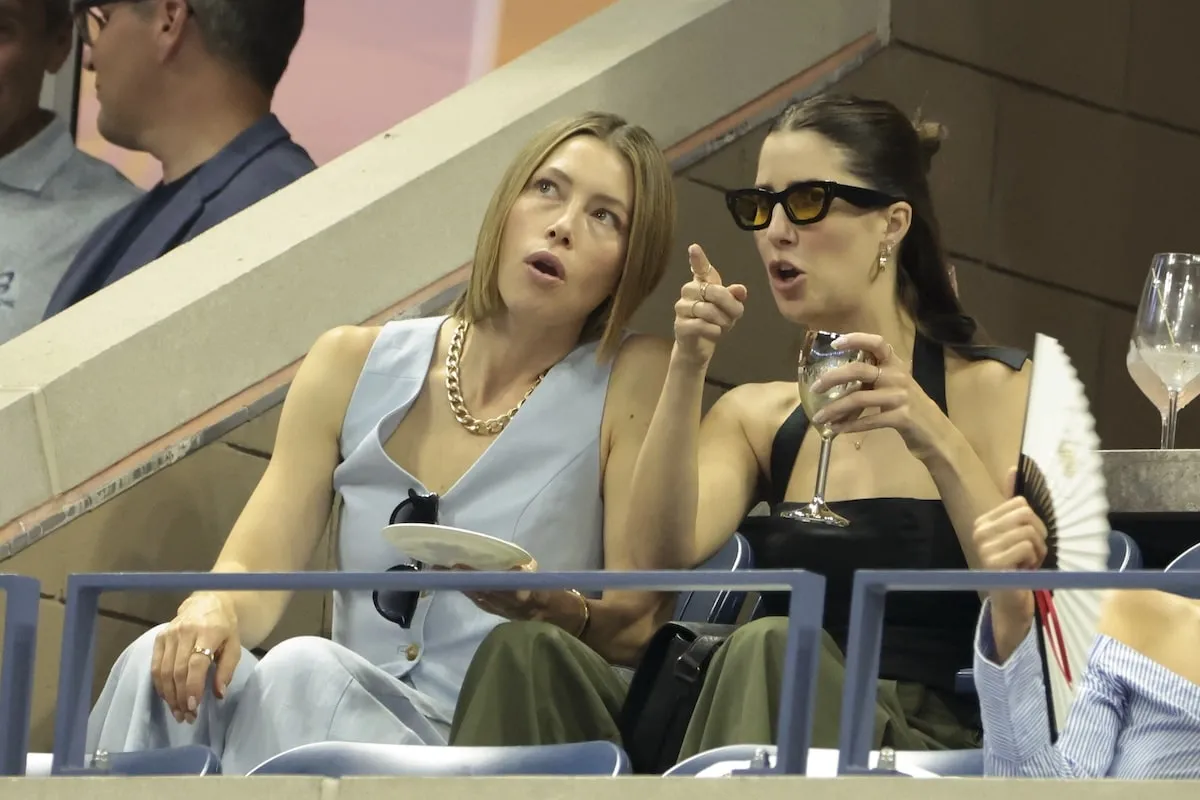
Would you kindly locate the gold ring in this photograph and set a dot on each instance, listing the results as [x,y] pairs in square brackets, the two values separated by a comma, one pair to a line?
[704,292]
[204,651]
[694,304]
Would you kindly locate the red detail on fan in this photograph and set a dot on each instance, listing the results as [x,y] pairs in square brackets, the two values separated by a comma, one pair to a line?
[1045,604]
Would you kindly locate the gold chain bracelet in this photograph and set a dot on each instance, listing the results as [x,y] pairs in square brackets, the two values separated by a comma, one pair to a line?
[587,613]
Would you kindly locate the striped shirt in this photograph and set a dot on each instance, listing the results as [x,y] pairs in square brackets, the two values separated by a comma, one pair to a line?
[1131,718]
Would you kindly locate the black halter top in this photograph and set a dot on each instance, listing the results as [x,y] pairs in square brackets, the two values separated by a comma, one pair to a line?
[928,636]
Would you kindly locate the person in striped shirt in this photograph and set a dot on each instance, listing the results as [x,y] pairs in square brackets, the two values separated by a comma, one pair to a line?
[1137,710]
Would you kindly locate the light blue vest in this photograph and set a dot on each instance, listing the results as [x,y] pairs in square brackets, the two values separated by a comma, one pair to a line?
[538,485]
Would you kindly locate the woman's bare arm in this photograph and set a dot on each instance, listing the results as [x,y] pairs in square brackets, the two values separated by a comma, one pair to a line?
[693,482]
[977,451]
[288,511]
[622,622]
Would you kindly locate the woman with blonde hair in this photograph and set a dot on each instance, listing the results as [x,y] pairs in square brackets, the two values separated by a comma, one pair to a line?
[518,415]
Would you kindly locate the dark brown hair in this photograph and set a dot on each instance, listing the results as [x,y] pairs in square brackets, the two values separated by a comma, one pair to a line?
[255,36]
[891,154]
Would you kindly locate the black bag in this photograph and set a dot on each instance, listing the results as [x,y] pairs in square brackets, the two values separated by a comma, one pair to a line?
[664,691]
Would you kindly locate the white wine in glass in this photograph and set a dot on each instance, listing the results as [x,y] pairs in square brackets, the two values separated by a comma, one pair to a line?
[817,357]
[1154,390]
[1166,333]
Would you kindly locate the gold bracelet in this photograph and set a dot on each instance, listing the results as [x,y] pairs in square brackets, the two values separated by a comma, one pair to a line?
[587,613]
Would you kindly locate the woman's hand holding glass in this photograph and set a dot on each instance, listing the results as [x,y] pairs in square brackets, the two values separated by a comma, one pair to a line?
[887,385]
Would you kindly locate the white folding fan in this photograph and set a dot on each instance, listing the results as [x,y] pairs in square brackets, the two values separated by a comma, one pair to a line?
[1062,478]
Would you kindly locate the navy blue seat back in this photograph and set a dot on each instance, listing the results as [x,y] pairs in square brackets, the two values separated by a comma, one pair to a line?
[718,607]
[948,763]
[186,760]
[1188,560]
[338,759]
[1123,552]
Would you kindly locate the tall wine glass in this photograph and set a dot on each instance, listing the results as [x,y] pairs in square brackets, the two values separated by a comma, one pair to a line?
[817,357]
[1166,334]
[1145,379]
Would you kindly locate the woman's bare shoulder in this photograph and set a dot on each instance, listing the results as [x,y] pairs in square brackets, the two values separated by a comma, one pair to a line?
[344,348]
[1163,627]
[986,400]
[760,408]
[985,377]
[330,370]
[983,394]
[1139,608]
[641,351]
[320,392]
[757,398]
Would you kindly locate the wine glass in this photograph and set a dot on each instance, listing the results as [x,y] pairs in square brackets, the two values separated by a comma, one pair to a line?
[1166,333]
[1145,379]
[817,357]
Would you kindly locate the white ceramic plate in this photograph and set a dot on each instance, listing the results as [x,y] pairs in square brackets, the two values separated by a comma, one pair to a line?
[440,546]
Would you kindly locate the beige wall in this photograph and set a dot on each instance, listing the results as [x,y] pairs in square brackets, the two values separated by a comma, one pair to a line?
[1073,157]
[193,503]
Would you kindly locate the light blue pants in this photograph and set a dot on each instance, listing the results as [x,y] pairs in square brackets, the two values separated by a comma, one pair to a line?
[305,690]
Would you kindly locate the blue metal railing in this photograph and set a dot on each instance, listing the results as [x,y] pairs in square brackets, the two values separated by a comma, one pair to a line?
[866,628]
[21,595]
[802,650]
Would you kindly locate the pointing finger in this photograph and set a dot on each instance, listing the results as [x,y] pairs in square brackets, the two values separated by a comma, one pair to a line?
[701,268]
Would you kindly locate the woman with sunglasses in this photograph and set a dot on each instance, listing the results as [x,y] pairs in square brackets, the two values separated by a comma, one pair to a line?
[519,415]
[1136,713]
[843,220]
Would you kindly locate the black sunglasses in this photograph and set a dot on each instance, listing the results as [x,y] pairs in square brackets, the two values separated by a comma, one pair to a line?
[400,606]
[804,203]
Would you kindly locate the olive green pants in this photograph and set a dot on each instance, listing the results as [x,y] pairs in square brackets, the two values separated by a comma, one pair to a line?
[533,683]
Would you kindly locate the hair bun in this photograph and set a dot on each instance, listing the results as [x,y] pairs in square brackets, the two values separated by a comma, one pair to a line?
[930,136]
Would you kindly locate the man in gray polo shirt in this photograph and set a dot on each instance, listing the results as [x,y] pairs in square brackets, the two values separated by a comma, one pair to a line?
[51,195]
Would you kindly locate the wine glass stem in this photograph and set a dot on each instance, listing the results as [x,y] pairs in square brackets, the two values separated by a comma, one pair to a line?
[1168,431]
[822,470]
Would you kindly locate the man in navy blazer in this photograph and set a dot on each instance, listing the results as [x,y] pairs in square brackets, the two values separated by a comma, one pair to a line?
[191,83]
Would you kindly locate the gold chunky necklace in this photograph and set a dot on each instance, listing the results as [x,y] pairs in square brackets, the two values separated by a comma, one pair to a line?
[485,427]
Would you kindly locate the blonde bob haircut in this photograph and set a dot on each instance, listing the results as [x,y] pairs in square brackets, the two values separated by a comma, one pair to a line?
[650,232]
